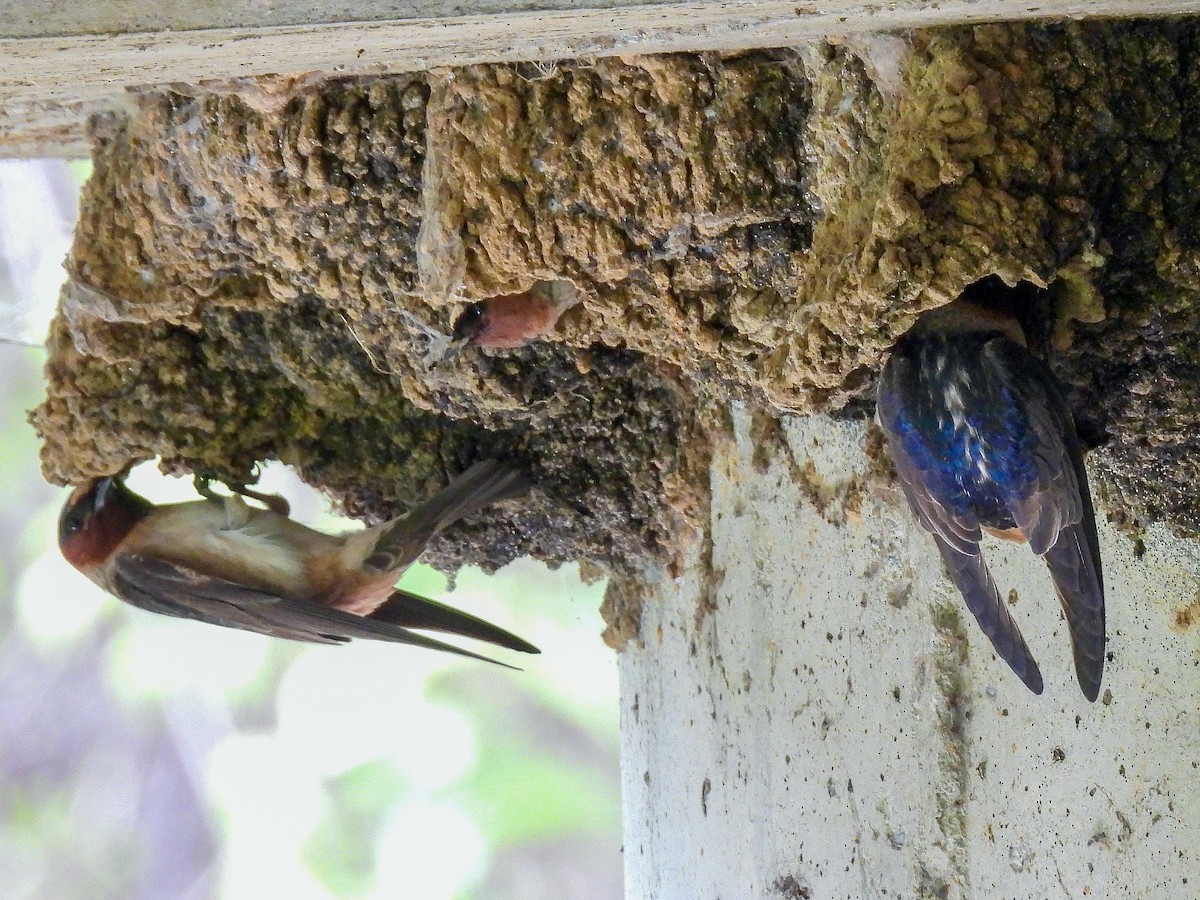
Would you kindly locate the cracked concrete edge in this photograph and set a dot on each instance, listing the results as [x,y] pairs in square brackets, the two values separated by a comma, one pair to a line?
[441,261]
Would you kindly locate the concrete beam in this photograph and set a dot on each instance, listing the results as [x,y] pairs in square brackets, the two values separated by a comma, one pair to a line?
[59,65]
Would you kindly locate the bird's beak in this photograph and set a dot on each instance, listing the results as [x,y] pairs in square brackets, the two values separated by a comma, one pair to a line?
[466,327]
[468,324]
[100,492]
[92,493]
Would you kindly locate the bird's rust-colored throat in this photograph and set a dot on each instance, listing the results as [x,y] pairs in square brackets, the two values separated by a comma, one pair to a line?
[104,529]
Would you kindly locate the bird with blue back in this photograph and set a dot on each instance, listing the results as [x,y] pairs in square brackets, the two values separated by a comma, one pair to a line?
[983,440]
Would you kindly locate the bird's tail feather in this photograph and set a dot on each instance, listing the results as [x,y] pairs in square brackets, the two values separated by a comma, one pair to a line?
[970,574]
[1074,565]
[414,611]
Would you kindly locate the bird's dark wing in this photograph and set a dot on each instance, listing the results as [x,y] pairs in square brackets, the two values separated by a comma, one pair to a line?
[957,536]
[1075,567]
[1053,507]
[402,541]
[414,611]
[970,574]
[901,403]
[165,587]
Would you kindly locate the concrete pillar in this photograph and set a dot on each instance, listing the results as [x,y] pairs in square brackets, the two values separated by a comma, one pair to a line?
[812,712]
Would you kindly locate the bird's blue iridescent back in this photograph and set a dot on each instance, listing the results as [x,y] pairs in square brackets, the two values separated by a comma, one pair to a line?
[962,427]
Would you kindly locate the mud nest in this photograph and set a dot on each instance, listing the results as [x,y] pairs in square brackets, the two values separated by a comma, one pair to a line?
[272,271]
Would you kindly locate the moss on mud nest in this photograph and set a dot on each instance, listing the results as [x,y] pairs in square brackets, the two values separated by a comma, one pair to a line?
[273,273]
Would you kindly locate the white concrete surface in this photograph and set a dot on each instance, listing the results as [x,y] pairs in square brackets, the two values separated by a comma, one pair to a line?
[838,726]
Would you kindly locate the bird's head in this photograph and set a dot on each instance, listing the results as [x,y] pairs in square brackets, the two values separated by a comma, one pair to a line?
[470,323]
[96,518]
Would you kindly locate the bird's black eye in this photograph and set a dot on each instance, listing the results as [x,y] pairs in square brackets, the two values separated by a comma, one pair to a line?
[73,520]
[84,503]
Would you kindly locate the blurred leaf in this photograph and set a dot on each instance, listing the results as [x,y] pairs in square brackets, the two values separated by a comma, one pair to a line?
[80,170]
[232,752]
[341,851]
[424,580]
[517,796]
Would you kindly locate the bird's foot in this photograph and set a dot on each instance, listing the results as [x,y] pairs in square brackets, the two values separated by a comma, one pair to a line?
[274,502]
[203,485]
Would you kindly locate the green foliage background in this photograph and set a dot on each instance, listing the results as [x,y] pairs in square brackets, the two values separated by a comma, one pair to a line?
[144,757]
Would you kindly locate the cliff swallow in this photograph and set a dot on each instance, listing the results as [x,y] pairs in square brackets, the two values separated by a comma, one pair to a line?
[982,438]
[512,320]
[225,562]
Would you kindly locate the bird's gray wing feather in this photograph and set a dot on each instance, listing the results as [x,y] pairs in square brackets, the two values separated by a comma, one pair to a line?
[970,574]
[414,611]
[1055,512]
[488,481]
[161,586]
